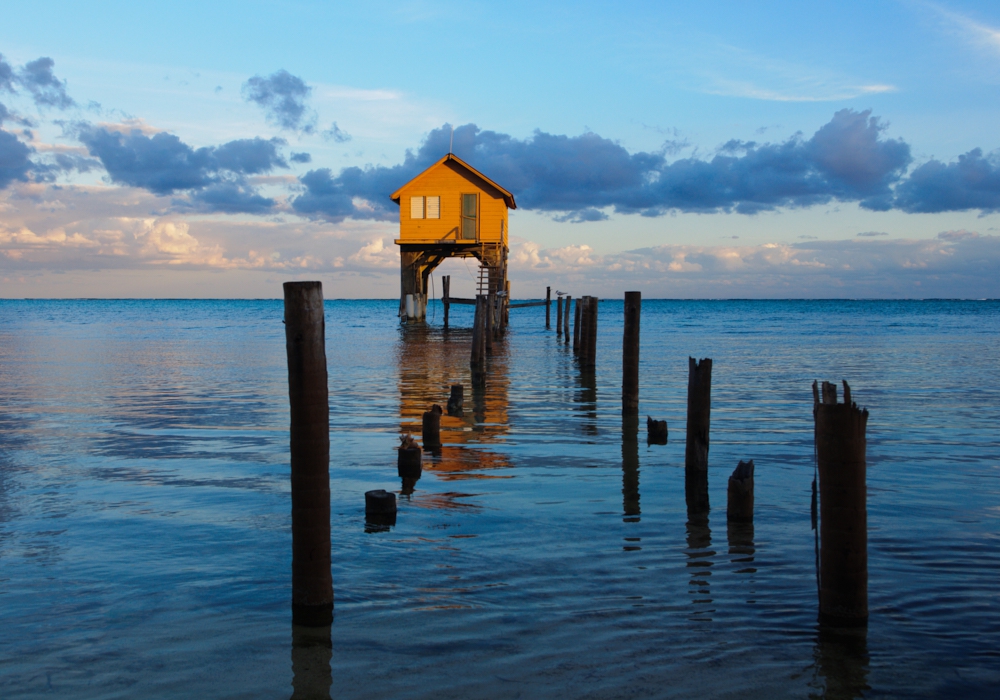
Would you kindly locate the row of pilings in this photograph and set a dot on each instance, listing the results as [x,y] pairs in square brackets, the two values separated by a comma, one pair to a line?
[840,443]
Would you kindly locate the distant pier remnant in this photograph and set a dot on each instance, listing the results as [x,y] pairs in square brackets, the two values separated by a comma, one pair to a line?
[740,497]
[841,446]
[576,325]
[591,359]
[559,315]
[305,344]
[566,319]
[548,306]
[699,410]
[446,297]
[630,354]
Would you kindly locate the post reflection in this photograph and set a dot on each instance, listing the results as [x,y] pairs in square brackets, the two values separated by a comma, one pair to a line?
[841,657]
[741,545]
[312,650]
[429,362]
[587,398]
[699,542]
[630,469]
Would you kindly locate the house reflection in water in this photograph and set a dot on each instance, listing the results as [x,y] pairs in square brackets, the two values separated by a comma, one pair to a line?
[430,360]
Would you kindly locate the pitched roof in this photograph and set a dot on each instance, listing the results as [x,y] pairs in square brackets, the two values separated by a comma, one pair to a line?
[507,196]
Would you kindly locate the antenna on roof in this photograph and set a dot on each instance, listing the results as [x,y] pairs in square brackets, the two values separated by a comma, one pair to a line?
[451,144]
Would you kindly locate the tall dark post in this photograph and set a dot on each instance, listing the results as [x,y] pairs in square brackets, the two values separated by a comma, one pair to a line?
[446,296]
[698,413]
[566,319]
[548,305]
[843,556]
[630,354]
[305,344]
[584,344]
[592,332]
[576,325]
[559,312]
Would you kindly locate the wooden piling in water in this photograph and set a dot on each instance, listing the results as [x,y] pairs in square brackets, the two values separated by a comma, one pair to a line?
[584,344]
[592,333]
[699,410]
[410,458]
[566,320]
[548,304]
[431,427]
[305,345]
[559,316]
[446,296]
[739,505]
[841,446]
[576,326]
[630,354]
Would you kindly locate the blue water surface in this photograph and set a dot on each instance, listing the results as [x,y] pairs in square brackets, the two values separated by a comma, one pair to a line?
[145,545]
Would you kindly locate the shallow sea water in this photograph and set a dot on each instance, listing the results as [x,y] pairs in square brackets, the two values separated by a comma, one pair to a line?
[145,514]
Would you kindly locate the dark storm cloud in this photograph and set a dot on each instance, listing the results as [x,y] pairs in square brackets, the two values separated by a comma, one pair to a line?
[214,176]
[848,159]
[973,182]
[282,96]
[46,89]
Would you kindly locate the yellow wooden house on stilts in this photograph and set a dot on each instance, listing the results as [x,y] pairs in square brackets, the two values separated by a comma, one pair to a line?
[451,210]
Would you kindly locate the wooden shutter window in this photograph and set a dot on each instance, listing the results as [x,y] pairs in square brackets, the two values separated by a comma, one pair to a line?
[433,207]
[416,207]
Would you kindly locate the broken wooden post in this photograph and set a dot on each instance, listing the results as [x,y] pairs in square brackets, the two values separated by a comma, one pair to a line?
[409,460]
[566,320]
[305,345]
[559,314]
[548,305]
[739,506]
[843,558]
[630,354]
[457,400]
[380,507]
[592,333]
[576,325]
[699,410]
[656,431]
[446,296]
[431,432]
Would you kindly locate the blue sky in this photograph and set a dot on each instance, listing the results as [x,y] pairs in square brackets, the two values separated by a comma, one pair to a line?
[720,149]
